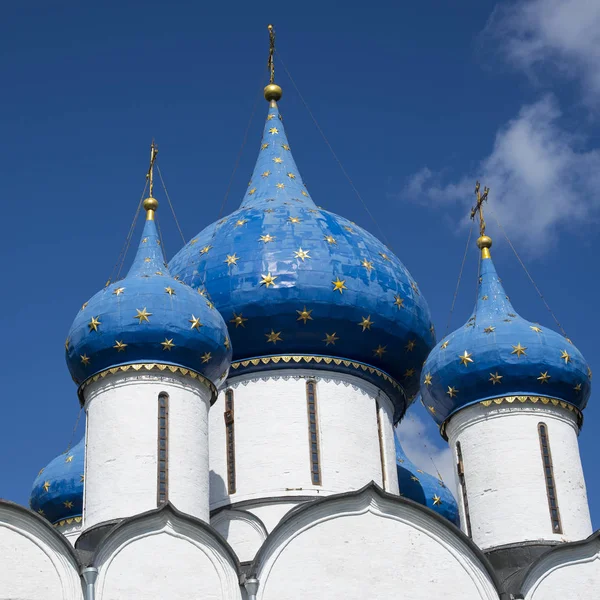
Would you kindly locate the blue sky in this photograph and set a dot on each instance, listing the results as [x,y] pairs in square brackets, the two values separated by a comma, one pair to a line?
[417,100]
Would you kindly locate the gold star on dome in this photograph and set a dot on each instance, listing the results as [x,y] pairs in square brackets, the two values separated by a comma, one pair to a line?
[46,486]
[431,409]
[195,323]
[330,239]
[69,459]
[285,146]
[252,192]
[495,378]
[384,256]
[568,340]
[577,388]
[68,504]
[41,512]
[40,471]
[269,117]
[231,259]
[465,358]
[119,346]
[304,315]
[484,297]
[169,290]
[291,176]
[339,285]
[535,328]
[93,324]
[268,280]
[518,349]
[302,254]
[409,373]
[167,344]
[380,351]
[118,291]
[144,240]
[205,250]
[427,380]
[238,320]
[294,219]
[85,359]
[330,339]
[206,357]
[489,329]
[436,500]
[273,130]
[589,373]
[202,291]
[413,285]
[420,471]
[142,315]
[277,160]
[268,210]
[566,356]
[414,478]
[266,238]
[366,323]
[147,259]
[368,265]
[266,173]
[304,193]
[274,337]
[210,305]
[226,343]
[84,305]
[399,302]
[240,222]
[280,185]
[445,345]
[81,478]
[194,241]
[452,391]
[264,146]
[411,345]
[67,342]
[158,273]
[349,229]
[544,377]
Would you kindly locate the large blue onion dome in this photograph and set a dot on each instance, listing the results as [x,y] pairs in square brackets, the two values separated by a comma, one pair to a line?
[149,317]
[498,355]
[292,279]
[424,488]
[57,492]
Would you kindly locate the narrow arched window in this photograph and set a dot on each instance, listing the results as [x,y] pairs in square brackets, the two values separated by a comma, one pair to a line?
[549,477]
[381,446]
[163,449]
[460,469]
[313,432]
[230,440]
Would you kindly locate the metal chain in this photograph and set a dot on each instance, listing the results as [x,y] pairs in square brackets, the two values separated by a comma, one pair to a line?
[170,203]
[74,430]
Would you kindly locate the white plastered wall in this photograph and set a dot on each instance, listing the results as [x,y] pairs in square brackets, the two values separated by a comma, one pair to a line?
[34,563]
[244,532]
[504,473]
[365,546]
[121,476]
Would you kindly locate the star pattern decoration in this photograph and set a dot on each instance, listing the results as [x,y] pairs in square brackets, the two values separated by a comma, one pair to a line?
[273,131]
[147,259]
[94,323]
[264,146]
[519,350]
[409,373]
[274,337]
[268,280]
[280,185]
[265,173]
[465,358]
[415,289]
[410,346]
[302,254]
[436,500]
[384,256]
[205,250]
[427,380]
[339,285]
[84,305]
[496,378]
[330,339]
[167,344]
[158,273]
[226,343]
[231,259]
[291,176]
[81,478]
[535,328]
[169,290]
[380,351]
[348,229]
[46,486]
[119,346]
[366,323]
[145,240]
[577,388]
[566,356]
[69,458]
[269,117]
[445,344]
[67,342]
[489,329]
[431,409]
[195,323]
[239,320]
[285,146]
[240,222]
[544,377]
[266,238]
[206,357]
[194,241]
[142,315]
[85,359]
[304,315]
[277,160]
[414,478]
[294,219]
[268,210]
[118,291]
[398,302]
[330,239]
[452,391]
[484,297]
[304,193]
[41,512]
[68,504]
[589,373]
[252,192]
[368,265]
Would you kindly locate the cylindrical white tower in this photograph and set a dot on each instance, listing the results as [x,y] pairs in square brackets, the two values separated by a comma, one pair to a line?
[146,444]
[279,435]
[519,472]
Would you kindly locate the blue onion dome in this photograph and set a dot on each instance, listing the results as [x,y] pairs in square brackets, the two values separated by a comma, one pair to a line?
[499,355]
[57,492]
[149,317]
[424,488]
[292,279]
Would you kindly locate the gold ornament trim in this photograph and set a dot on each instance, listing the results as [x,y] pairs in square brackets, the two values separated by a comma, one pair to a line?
[149,367]
[68,521]
[308,358]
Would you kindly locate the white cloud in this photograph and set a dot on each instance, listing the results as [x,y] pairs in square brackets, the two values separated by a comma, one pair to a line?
[558,35]
[538,171]
[417,440]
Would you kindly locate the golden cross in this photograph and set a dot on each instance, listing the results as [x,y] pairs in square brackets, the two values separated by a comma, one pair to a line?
[150,174]
[271,63]
[478,208]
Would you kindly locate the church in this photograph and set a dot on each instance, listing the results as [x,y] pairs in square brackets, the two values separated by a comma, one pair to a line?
[241,406]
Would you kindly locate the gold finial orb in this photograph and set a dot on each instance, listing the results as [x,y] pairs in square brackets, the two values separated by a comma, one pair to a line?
[150,204]
[485,241]
[273,92]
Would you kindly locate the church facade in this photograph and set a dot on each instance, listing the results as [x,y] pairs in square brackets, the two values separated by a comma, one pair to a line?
[241,404]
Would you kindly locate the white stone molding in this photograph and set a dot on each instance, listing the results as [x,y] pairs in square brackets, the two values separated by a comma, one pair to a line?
[244,531]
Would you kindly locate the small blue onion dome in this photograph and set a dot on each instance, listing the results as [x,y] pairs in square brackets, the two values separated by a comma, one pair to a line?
[148,317]
[57,492]
[498,354]
[424,488]
[293,279]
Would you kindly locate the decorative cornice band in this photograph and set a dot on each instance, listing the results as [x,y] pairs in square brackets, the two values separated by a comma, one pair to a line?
[69,521]
[149,367]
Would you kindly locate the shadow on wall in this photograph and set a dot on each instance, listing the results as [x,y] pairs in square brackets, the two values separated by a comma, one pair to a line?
[218,489]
